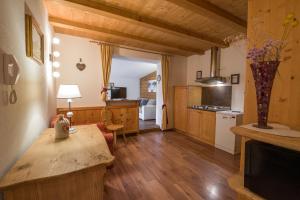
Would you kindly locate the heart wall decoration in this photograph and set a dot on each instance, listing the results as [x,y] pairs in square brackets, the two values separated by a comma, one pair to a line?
[81,66]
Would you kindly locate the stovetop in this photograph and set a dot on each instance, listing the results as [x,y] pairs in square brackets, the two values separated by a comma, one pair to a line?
[210,107]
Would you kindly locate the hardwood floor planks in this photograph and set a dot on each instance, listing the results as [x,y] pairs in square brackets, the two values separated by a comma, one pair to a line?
[169,166]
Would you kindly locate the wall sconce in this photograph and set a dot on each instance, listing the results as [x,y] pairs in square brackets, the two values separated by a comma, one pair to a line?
[56,40]
[56,64]
[56,74]
[56,54]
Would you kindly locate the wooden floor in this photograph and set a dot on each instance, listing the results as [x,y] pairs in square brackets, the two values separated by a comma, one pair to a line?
[169,166]
[147,124]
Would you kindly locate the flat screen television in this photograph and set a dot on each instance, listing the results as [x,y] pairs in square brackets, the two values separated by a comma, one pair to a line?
[118,93]
[217,96]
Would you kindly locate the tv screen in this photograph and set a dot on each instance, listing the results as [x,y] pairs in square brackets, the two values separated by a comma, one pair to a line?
[118,93]
[217,96]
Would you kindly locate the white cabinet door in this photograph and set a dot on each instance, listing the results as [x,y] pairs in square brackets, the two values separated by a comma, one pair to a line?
[225,139]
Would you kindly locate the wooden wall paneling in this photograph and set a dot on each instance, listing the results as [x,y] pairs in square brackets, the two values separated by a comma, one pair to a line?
[284,106]
[144,86]
[92,115]
[180,108]
[83,115]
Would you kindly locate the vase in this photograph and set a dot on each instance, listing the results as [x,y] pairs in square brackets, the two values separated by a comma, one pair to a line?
[263,74]
[62,128]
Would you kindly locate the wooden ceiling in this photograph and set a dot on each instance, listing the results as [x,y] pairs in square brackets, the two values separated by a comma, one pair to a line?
[180,27]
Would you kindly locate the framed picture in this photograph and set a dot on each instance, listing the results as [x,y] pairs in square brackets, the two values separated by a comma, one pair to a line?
[152,85]
[235,78]
[198,75]
[34,39]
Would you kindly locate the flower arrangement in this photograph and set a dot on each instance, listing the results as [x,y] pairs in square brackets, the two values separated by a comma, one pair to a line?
[264,63]
[271,49]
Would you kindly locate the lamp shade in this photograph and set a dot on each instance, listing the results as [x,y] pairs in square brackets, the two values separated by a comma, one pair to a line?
[68,92]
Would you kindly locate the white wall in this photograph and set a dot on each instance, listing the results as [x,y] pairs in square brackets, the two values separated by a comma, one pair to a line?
[125,71]
[22,122]
[233,61]
[89,80]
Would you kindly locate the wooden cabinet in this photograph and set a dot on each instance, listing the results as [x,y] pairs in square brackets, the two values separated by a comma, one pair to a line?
[194,95]
[198,124]
[201,125]
[129,114]
[207,126]
[193,123]
[180,108]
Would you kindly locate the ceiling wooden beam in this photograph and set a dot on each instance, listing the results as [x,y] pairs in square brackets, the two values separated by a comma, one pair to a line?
[122,14]
[211,11]
[118,43]
[58,22]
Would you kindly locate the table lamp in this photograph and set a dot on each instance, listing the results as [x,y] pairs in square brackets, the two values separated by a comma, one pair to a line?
[69,92]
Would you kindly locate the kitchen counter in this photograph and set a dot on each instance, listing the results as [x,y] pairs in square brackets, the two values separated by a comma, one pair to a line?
[209,110]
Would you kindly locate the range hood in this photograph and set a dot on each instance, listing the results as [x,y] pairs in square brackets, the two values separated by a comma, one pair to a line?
[215,77]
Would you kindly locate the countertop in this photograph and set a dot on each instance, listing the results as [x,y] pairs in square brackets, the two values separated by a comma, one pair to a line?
[209,110]
[259,135]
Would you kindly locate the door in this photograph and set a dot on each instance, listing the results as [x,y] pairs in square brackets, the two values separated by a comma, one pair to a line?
[180,108]
[193,123]
[208,127]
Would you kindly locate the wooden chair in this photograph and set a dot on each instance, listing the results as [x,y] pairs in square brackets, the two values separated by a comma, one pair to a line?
[107,116]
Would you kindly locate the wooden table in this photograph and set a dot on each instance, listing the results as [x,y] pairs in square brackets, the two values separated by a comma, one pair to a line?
[69,169]
[115,128]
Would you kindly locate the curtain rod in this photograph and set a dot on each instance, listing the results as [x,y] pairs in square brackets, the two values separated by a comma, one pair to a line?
[124,47]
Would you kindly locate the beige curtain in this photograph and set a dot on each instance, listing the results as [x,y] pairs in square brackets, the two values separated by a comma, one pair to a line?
[165,62]
[106,57]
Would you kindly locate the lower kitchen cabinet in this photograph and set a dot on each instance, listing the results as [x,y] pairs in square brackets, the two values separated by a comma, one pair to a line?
[202,125]
[208,127]
[193,127]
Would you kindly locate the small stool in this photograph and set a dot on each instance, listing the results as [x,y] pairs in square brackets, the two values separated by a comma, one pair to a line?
[115,128]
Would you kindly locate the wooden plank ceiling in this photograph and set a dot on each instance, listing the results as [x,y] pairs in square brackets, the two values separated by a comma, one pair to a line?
[180,27]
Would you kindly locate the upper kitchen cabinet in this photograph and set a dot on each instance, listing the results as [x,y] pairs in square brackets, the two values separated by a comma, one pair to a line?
[194,95]
[184,97]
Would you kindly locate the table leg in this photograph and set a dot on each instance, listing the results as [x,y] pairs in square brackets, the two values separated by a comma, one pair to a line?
[115,137]
[124,137]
